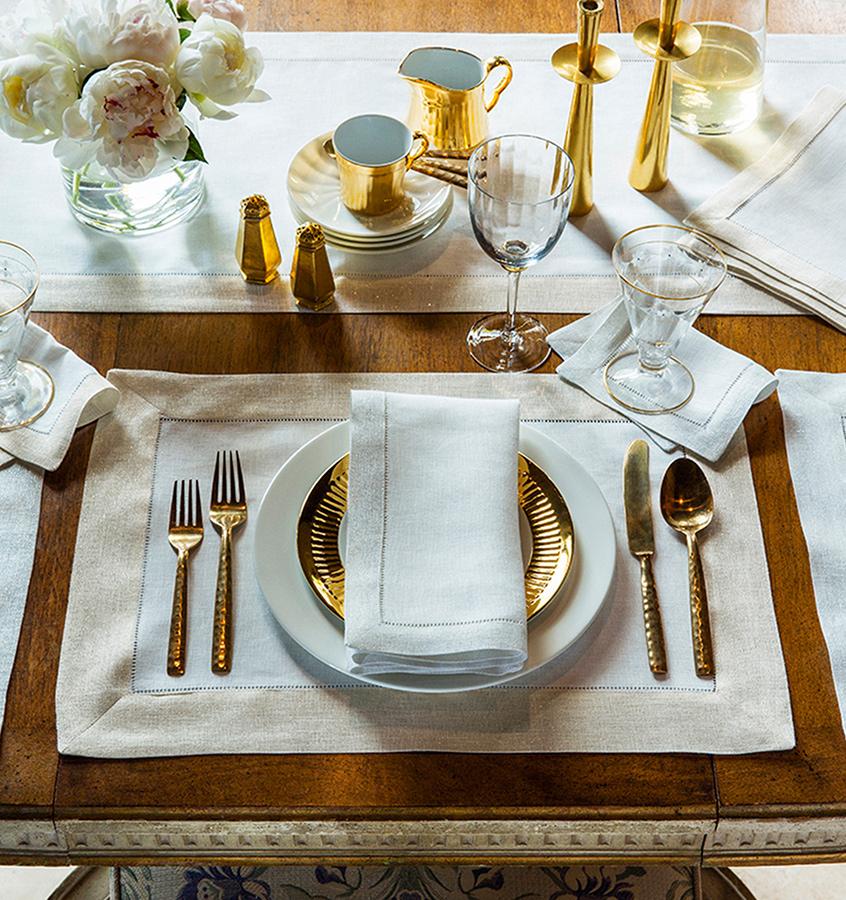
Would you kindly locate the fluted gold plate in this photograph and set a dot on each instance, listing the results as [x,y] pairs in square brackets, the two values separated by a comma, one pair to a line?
[550,526]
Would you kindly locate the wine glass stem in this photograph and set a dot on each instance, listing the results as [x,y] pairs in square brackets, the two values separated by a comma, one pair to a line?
[513,287]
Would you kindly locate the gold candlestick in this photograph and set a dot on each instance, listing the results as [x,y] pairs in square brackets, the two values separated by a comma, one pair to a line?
[667,41]
[585,63]
[256,249]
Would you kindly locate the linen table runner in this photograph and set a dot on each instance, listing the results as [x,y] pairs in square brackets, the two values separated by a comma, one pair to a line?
[814,408]
[318,80]
[115,700]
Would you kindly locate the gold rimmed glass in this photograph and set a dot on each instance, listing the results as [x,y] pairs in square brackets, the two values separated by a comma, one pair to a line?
[26,389]
[667,274]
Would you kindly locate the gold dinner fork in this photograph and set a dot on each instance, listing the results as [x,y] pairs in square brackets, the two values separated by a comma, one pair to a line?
[185,532]
[228,511]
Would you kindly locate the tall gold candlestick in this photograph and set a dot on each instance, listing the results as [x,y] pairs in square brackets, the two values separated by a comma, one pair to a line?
[666,40]
[585,63]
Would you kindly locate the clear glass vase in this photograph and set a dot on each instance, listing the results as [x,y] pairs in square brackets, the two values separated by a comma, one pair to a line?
[140,207]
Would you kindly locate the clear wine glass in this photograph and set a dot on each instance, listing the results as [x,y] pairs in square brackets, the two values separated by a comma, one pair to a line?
[519,189]
[26,389]
[667,274]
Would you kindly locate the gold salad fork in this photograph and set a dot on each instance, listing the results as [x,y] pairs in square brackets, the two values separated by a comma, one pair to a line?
[228,511]
[185,532]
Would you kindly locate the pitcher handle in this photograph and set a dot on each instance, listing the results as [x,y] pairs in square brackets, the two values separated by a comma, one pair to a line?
[494,63]
[412,158]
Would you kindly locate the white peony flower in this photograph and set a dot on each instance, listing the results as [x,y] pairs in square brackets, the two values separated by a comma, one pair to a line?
[110,31]
[215,67]
[127,121]
[35,90]
[228,10]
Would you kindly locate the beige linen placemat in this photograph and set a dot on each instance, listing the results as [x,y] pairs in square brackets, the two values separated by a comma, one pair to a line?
[114,699]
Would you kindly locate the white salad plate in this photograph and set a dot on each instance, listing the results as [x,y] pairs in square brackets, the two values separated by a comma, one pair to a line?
[314,191]
[321,634]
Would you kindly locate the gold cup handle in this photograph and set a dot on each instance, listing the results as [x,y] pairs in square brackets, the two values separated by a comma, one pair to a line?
[494,63]
[412,157]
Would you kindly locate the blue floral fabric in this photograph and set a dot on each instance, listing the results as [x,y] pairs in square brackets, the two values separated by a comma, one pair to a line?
[607,882]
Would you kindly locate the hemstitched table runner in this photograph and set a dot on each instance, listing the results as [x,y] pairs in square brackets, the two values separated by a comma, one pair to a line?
[115,700]
[316,82]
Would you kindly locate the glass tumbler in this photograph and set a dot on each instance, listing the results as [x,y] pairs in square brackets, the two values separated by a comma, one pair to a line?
[519,189]
[26,389]
[720,89]
[667,274]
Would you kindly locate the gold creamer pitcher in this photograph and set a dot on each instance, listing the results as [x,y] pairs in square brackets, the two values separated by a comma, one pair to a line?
[448,95]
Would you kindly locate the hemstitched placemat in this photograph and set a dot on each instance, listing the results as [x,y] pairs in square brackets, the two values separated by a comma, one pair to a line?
[315,80]
[115,700]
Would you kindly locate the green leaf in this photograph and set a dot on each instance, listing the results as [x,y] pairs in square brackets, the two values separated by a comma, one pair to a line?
[195,151]
[183,34]
[172,7]
[183,12]
[181,100]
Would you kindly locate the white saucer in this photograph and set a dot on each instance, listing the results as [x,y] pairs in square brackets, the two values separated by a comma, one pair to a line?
[303,617]
[314,192]
[384,245]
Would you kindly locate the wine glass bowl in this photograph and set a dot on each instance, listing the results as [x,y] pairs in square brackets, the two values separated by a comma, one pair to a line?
[519,189]
[667,274]
[26,389]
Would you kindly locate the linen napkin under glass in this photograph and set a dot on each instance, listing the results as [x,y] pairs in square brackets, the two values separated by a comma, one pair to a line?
[727,384]
[81,396]
[434,565]
[781,222]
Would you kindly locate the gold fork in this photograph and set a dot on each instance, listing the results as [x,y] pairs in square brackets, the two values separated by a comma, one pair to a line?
[185,532]
[228,511]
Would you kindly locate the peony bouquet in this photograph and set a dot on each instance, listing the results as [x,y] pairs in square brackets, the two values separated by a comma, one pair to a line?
[112,81]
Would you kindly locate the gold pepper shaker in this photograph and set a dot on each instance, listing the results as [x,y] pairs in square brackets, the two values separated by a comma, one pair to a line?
[666,40]
[256,249]
[312,283]
[585,63]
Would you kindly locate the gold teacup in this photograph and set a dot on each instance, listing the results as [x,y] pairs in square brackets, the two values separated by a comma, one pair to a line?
[373,154]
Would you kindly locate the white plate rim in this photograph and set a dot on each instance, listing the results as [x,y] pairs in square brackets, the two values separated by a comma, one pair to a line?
[303,618]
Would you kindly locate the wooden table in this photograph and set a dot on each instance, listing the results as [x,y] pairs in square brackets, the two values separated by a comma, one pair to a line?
[774,806]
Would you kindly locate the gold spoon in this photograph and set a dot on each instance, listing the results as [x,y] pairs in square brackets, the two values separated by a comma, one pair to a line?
[687,505]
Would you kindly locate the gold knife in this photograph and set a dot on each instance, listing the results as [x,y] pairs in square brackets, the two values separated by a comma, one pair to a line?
[642,546]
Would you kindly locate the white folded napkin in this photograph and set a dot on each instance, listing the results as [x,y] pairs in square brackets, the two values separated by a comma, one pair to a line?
[81,396]
[727,384]
[781,222]
[814,408]
[434,566]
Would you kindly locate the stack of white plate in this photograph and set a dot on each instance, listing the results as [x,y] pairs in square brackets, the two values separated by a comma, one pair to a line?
[314,191]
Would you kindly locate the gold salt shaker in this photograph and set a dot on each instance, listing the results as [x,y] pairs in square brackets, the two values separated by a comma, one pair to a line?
[312,282]
[256,249]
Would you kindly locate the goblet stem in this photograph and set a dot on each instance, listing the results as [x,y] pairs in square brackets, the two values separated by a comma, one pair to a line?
[513,288]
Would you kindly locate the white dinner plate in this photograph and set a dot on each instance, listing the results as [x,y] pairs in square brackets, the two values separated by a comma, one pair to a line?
[314,189]
[318,632]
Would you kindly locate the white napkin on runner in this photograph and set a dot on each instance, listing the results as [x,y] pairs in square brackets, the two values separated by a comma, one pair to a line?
[814,408]
[434,566]
[781,222]
[81,396]
[727,383]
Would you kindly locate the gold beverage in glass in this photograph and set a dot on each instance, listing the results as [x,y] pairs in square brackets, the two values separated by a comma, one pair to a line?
[720,89]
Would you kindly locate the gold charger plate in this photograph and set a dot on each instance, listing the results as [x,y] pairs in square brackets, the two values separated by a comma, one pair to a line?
[550,526]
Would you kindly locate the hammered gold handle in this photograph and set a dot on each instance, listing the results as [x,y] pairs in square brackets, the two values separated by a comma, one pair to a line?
[652,624]
[703,650]
[178,618]
[221,660]
[494,63]
[412,158]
